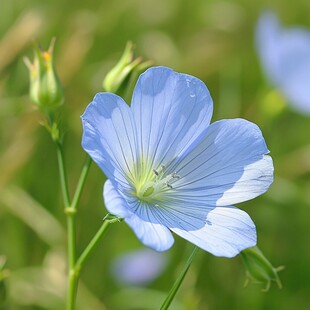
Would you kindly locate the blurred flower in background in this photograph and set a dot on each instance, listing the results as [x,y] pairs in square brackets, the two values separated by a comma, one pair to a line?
[139,267]
[285,58]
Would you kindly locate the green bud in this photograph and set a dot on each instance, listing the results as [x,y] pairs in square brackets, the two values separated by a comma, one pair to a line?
[45,88]
[259,269]
[121,72]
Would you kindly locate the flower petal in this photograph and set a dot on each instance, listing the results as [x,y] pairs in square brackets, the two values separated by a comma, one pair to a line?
[109,136]
[222,231]
[171,110]
[228,231]
[154,235]
[227,167]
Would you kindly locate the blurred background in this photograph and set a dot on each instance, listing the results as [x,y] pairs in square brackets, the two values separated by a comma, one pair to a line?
[212,40]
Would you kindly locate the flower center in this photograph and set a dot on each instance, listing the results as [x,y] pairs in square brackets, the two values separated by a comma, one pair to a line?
[151,190]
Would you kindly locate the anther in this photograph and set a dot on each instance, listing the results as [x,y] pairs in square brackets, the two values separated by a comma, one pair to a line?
[169,185]
[160,170]
[175,176]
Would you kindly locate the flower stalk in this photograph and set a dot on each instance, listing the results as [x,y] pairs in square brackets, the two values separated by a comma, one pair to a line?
[178,281]
[74,271]
[75,265]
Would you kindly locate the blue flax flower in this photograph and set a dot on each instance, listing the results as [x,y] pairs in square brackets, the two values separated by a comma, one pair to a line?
[169,170]
[285,58]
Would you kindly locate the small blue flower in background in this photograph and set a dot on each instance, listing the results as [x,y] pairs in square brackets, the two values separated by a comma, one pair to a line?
[285,58]
[139,267]
[169,169]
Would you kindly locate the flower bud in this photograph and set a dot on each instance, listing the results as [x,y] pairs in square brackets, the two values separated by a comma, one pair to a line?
[121,72]
[45,87]
[259,269]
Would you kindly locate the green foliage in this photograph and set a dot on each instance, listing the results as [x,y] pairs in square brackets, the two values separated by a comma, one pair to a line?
[212,40]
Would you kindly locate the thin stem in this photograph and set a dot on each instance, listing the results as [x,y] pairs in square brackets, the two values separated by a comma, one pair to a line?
[81,182]
[68,210]
[75,271]
[62,174]
[72,289]
[71,226]
[178,281]
[70,213]
[73,277]
[95,240]
[74,266]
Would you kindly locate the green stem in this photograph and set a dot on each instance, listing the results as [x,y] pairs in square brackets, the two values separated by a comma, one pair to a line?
[74,266]
[81,183]
[75,271]
[68,210]
[178,281]
[62,174]
[109,219]
[73,276]
[71,225]
[72,289]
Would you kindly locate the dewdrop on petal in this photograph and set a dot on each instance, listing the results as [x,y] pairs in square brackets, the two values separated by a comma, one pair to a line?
[45,88]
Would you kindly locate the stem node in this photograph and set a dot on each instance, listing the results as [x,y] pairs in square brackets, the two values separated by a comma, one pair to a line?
[69,211]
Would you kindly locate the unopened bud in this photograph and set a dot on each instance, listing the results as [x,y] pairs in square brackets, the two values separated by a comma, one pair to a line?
[45,87]
[121,72]
[259,269]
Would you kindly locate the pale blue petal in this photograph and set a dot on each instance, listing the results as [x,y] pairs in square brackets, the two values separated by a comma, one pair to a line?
[187,215]
[114,203]
[171,110]
[109,136]
[153,235]
[229,166]
[227,232]
[222,231]
[285,58]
